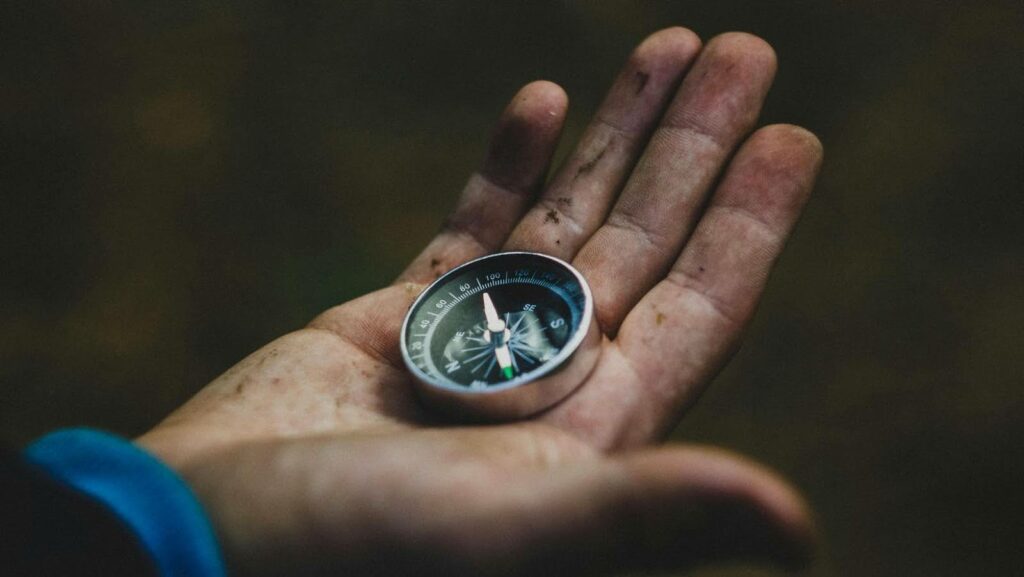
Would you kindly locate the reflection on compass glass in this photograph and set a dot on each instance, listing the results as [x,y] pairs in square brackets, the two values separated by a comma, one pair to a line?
[495,322]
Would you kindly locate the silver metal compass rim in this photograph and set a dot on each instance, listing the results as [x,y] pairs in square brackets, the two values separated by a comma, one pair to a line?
[551,366]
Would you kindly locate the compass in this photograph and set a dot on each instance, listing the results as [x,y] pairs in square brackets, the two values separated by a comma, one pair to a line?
[501,337]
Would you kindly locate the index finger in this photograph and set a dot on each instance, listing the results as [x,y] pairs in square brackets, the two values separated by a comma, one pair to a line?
[498,194]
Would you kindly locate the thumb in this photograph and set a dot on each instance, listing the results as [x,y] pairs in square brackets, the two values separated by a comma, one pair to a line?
[664,509]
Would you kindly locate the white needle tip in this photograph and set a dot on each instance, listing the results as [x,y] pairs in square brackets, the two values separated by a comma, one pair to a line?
[494,322]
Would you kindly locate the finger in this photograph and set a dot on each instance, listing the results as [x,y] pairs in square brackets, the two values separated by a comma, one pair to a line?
[348,506]
[718,104]
[496,196]
[697,506]
[580,194]
[670,509]
[684,330]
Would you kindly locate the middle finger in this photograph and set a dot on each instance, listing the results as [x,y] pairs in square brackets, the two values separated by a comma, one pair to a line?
[716,106]
[581,193]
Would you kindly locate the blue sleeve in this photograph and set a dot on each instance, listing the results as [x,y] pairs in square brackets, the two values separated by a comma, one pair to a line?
[139,489]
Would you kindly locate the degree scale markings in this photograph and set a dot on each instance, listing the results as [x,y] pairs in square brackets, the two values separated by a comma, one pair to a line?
[554,285]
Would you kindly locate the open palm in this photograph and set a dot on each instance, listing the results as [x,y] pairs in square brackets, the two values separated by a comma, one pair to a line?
[313,455]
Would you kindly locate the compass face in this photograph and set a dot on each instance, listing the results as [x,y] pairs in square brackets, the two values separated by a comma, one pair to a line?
[497,322]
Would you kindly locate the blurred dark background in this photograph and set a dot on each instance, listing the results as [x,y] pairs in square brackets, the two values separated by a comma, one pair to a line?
[182,183]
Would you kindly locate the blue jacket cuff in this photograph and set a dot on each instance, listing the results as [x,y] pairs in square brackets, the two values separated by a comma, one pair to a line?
[146,494]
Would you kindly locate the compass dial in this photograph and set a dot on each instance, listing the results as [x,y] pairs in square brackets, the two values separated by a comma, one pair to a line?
[496,323]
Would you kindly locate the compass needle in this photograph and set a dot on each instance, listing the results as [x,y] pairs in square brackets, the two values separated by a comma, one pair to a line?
[494,322]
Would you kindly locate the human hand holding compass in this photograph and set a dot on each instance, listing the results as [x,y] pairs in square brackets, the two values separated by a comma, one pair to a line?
[317,454]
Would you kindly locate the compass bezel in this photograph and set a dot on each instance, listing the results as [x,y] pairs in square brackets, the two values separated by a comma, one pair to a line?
[526,393]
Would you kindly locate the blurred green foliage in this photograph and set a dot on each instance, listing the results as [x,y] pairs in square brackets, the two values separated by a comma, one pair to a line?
[182,183]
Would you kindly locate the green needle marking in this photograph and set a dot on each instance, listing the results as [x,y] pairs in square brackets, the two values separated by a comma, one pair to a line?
[507,371]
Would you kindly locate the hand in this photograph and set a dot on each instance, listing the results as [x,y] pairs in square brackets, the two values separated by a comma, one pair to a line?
[313,455]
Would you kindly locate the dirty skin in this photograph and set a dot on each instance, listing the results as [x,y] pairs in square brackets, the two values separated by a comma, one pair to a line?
[641,81]
[245,383]
[589,165]
[412,290]
[435,267]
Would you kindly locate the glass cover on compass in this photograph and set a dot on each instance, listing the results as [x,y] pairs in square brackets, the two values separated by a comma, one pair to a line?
[496,322]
